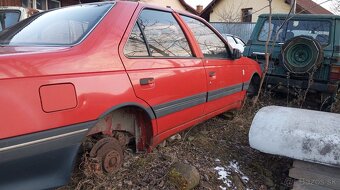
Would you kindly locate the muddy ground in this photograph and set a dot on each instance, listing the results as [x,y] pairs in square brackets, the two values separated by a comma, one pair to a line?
[218,148]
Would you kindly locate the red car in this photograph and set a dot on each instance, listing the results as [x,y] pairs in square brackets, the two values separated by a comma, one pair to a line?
[118,73]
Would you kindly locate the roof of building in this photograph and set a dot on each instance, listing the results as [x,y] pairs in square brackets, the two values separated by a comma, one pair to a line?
[310,6]
[306,6]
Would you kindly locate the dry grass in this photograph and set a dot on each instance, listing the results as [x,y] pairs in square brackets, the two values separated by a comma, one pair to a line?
[200,146]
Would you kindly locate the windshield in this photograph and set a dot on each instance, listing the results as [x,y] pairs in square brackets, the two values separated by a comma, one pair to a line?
[281,31]
[64,26]
[8,18]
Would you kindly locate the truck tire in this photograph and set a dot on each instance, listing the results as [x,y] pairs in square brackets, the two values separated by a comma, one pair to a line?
[301,54]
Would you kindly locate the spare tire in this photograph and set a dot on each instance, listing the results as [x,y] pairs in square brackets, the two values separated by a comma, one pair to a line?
[301,54]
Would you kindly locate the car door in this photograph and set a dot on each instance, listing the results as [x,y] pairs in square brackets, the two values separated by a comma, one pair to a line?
[224,75]
[163,68]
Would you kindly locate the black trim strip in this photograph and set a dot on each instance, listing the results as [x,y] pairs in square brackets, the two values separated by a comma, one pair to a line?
[246,85]
[180,104]
[21,142]
[191,101]
[215,94]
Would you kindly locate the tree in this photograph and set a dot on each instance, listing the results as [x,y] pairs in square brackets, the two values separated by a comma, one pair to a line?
[267,54]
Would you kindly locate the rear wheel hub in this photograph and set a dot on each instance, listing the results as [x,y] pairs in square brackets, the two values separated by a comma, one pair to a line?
[109,154]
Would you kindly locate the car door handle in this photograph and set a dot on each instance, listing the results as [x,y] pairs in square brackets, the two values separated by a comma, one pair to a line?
[146,81]
[212,73]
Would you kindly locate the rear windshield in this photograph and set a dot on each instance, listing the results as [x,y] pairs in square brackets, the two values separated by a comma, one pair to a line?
[283,31]
[8,18]
[64,26]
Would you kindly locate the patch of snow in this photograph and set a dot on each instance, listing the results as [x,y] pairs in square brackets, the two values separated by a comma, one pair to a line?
[217,160]
[224,173]
[245,179]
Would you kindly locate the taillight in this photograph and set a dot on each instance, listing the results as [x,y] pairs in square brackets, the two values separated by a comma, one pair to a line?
[335,73]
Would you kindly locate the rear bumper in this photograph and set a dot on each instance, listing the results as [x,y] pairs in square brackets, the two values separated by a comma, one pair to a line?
[41,160]
[302,84]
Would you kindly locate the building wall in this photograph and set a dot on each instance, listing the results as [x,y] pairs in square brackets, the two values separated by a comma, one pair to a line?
[174,4]
[230,10]
[10,2]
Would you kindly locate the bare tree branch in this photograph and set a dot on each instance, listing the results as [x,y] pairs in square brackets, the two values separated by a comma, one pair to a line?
[267,55]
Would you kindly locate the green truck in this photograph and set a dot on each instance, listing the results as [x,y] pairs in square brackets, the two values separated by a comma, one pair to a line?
[304,53]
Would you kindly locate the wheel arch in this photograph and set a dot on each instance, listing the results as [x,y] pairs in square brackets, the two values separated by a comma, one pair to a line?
[131,118]
[148,110]
[252,85]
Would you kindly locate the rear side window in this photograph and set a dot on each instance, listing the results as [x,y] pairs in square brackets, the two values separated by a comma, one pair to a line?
[136,46]
[163,34]
[64,26]
[211,45]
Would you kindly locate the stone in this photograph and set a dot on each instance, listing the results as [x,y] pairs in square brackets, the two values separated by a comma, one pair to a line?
[184,176]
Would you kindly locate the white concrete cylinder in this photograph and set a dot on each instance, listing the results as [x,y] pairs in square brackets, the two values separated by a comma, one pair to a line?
[297,133]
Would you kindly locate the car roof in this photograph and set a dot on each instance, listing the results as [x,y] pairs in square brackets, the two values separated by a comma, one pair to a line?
[311,16]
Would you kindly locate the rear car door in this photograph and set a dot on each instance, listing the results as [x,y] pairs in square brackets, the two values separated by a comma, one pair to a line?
[224,75]
[163,69]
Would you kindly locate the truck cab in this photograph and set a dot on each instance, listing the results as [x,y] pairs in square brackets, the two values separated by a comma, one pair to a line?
[304,53]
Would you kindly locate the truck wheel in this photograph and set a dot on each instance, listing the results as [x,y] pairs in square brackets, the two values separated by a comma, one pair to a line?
[301,54]
[108,155]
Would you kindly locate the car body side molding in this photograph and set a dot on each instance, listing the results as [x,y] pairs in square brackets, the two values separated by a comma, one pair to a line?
[41,160]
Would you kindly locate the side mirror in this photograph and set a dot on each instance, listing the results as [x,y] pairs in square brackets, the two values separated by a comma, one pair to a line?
[236,54]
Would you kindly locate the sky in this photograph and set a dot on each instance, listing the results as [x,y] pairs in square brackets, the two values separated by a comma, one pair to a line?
[193,3]
[327,4]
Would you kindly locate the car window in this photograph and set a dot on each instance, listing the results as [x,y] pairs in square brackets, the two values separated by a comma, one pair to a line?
[163,34]
[281,31]
[239,41]
[136,46]
[231,40]
[277,28]
[211,45]
[8,18]
[318,30]
[64,26]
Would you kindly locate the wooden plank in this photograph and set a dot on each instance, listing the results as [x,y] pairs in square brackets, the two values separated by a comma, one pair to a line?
[302,186]
[317,167]
[322,179]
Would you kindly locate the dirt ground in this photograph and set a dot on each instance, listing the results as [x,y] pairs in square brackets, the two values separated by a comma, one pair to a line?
[218,148]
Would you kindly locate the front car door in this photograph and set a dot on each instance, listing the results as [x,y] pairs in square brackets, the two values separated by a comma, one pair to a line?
[224,75]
